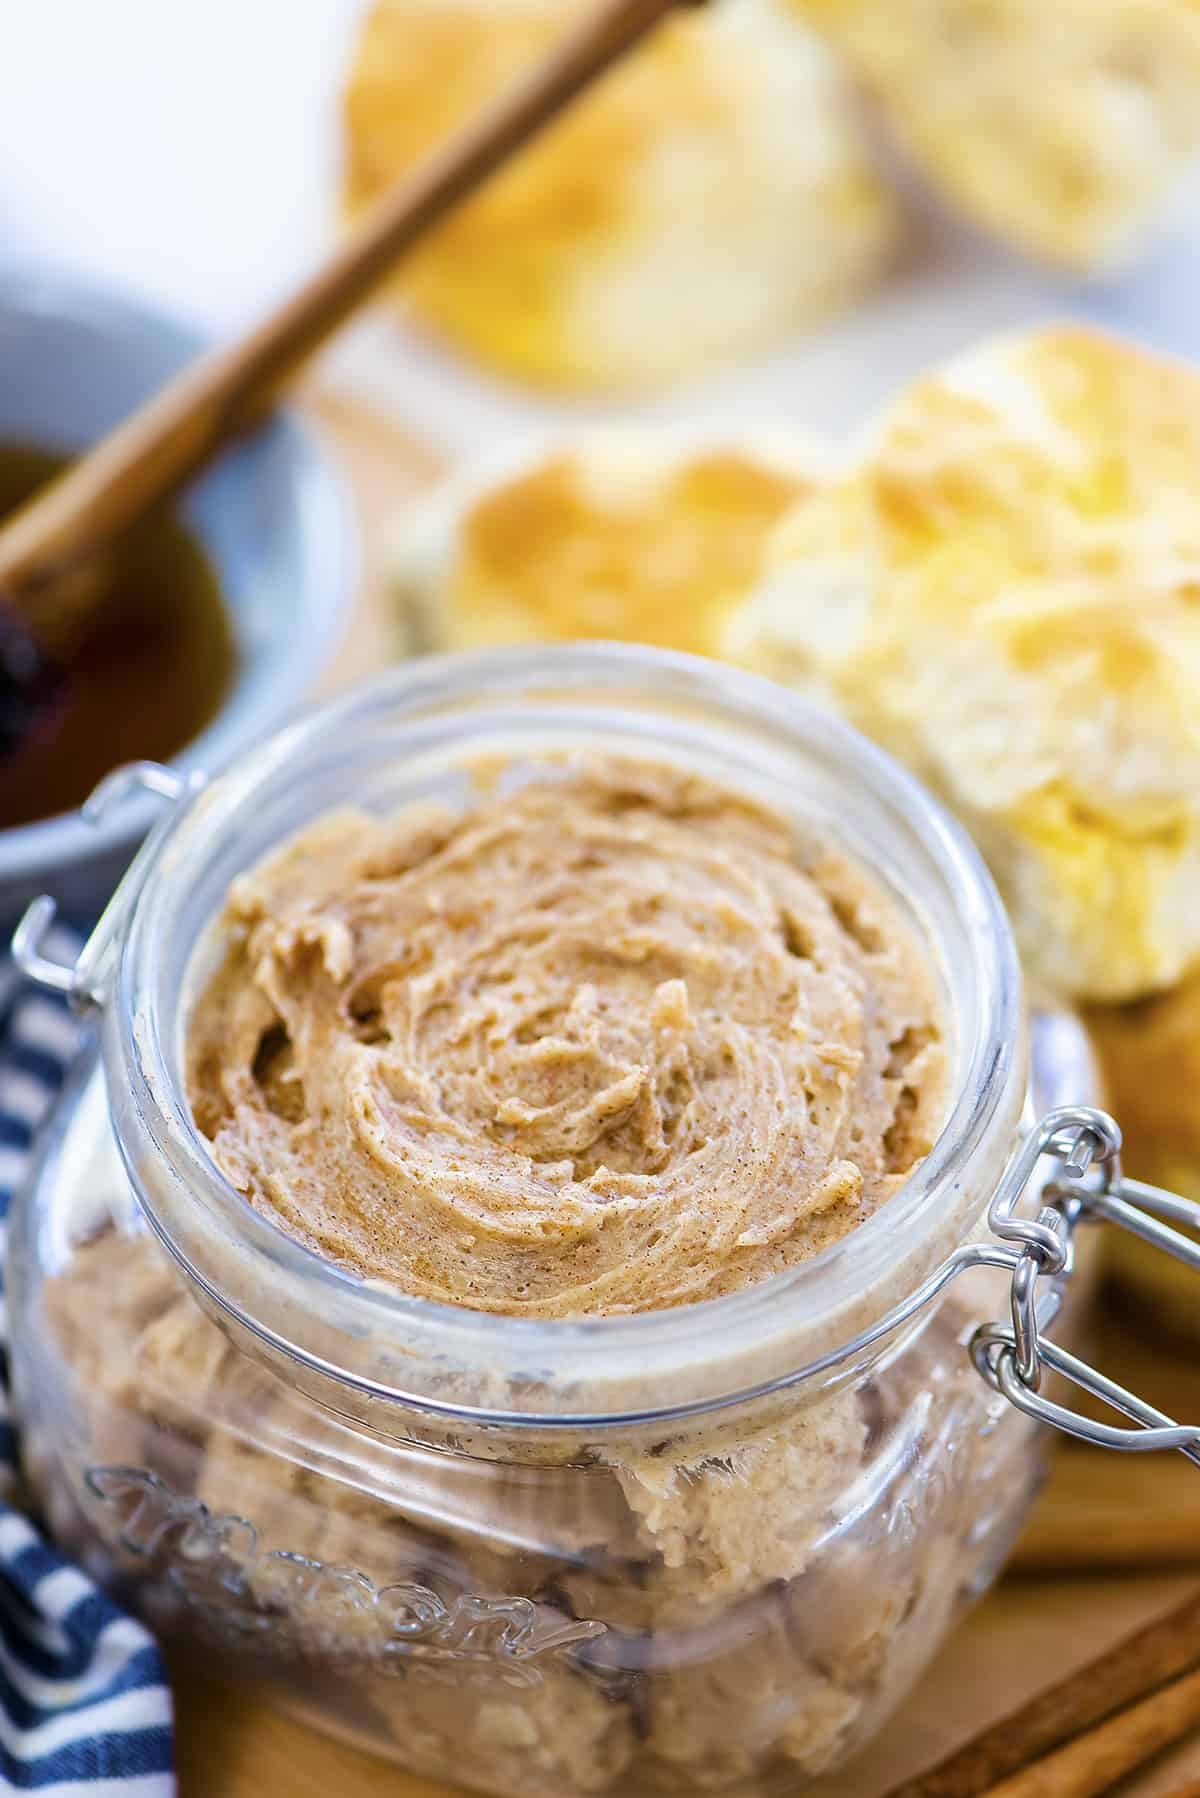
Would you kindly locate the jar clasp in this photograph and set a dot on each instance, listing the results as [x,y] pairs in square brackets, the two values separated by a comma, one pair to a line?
[81,981]
[1012,1355]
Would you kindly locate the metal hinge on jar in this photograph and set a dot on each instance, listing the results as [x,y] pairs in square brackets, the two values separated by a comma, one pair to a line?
[1013,1355]
[83,982]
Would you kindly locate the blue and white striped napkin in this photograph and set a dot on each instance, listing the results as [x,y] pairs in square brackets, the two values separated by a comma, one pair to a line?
[85,1709]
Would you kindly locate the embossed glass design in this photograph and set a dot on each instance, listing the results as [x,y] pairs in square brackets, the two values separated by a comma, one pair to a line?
[705,1549]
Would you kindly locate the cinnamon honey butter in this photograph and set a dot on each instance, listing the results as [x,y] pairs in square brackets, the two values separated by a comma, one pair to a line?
[615,1039]
[607,1000]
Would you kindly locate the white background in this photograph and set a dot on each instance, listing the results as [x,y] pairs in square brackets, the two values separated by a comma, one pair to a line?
[188,150]
[183,148]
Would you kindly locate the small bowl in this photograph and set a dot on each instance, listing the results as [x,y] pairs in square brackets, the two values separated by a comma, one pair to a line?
[271,514]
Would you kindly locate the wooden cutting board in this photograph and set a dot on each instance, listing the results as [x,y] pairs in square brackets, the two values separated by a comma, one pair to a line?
[1137,1515]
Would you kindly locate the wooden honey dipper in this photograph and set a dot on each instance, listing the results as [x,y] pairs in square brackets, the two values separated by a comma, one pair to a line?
[55,569]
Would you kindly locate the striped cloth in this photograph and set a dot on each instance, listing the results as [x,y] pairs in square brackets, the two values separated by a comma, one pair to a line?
[85,1710]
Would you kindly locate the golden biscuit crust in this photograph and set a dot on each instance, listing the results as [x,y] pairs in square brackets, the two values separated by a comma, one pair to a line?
[709,195]
[1149,1055]
[1005,591]
[1061,131]
[630,537]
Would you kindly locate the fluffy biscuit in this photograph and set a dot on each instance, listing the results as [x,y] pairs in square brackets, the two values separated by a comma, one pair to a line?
[1004,590]
[634,536]
[703,201]
[1149,1054]
[1061,130]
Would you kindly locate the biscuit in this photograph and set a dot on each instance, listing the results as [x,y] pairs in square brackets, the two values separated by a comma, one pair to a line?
[1149,1054]
[1061,132]
[1004,590]
[632,536]
[705,199]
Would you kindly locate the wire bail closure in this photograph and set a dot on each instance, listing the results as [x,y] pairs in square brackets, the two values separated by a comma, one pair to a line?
[1012,1355]
[82,982]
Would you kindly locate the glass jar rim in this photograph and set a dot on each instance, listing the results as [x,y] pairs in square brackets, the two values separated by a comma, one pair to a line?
[147,1097]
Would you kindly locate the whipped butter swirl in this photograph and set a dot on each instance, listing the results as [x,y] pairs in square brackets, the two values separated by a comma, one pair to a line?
[616,1040]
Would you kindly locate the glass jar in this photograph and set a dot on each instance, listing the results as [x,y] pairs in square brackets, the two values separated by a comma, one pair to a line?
[708,1548]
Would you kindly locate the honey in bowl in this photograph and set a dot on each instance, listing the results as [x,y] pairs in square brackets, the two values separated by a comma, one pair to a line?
[152,670]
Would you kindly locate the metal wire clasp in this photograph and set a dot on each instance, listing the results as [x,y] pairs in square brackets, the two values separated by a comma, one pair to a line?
[81,981]
[1012,1355]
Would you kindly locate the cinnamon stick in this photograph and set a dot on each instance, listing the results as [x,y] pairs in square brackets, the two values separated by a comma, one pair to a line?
[1133,1670]
[1095,1761]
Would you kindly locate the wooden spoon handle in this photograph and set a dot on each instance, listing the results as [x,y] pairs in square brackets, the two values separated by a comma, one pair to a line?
[219,395]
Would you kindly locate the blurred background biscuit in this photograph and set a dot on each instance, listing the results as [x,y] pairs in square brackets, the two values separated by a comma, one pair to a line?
[1004,590]
[640,536]
[1150,1059]
[706,200]
[1060,129]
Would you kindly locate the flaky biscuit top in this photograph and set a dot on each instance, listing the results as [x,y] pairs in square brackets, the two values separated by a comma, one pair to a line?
[1005,591]
[629,536]
[1064,141]
[653,230]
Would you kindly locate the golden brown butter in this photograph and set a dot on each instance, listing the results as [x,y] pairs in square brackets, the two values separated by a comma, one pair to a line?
[609,1042]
